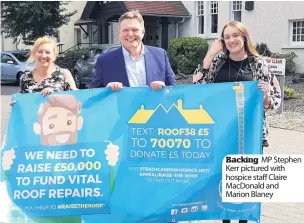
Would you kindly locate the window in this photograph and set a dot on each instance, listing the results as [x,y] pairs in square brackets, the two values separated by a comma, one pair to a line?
[22,57]
[95,33]
[207,18]
[237,11]
[213,16]
[298,31]
[200,14]
[77,33]
[5,58]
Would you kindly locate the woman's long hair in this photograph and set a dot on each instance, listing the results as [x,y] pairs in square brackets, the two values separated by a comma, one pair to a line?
[249,47]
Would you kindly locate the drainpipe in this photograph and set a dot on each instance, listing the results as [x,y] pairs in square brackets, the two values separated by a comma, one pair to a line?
[112,30]
[177,27]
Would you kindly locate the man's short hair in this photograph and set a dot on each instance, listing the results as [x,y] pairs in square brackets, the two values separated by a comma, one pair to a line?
[134,14]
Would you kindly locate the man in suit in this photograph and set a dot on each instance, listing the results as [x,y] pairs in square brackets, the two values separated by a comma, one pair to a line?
[134,64]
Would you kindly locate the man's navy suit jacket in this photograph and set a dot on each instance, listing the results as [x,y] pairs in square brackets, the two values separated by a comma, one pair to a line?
[111,67]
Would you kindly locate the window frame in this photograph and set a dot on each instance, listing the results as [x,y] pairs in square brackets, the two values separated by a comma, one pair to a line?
[199,15]
[7,55]
[207,20]
[95,33]
[290,35]
[232,10]
[210,17]
[76,36]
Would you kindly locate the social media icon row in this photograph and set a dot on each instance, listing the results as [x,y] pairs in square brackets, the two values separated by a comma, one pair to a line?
[204,207]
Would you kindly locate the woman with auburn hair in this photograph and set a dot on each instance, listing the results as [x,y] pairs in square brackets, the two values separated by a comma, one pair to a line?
[46,77]
[233,58]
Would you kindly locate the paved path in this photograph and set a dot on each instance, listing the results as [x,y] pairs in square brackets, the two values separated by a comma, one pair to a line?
[281,142]
[284,142]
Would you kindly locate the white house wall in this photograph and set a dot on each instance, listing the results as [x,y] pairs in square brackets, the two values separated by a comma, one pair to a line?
[268,22]
[67,35]
[189,27]
[224,15]
[7,43]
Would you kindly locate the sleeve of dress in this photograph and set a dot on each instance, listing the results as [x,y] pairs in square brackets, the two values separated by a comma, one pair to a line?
[202,75]
[275,90]
[22,84]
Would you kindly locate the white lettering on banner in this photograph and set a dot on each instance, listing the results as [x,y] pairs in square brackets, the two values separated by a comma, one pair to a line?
[262,178]
[59,155]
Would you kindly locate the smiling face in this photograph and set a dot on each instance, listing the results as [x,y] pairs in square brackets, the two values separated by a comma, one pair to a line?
[44,55]
[59,126]
[234,40]
[59,120]
[131,33]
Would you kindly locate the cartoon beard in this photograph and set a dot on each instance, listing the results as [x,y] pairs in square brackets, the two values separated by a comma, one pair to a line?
[59,138]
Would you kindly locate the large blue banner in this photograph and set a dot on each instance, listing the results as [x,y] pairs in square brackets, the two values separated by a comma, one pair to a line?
[132,156]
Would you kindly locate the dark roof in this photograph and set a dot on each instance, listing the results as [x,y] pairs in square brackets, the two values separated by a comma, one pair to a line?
[87,10]
[152,8]
[161,8]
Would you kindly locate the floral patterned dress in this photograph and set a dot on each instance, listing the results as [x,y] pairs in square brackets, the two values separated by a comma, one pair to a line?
[56,81]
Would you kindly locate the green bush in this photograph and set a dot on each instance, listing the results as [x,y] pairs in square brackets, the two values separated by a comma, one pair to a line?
[289,93]
[68,59]
[263,50]
[290,64]
[186,53]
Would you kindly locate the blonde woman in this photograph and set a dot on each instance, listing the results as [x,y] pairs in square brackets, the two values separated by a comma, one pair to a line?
[46,77]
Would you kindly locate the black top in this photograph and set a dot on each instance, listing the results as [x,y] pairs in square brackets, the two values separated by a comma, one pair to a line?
[239,71]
